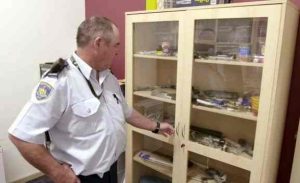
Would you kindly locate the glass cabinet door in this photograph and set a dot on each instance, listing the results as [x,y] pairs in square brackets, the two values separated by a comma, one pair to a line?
[226,82]
[154,60]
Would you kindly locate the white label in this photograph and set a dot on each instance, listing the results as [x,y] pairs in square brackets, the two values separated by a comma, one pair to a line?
[213,1]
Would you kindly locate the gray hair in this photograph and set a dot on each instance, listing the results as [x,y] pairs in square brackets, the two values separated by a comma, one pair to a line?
[93,27]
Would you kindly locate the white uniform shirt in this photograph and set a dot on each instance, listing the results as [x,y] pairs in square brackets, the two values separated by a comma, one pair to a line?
[87,133]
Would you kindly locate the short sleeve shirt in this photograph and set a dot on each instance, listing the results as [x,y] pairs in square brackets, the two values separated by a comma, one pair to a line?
[86,132]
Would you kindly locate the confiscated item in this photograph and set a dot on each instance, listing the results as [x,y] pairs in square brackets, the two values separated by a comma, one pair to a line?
[218,176]
[153,179]
[205,174]
[156,158]
[244,53]
[258,59]
[207,137]
[215,139]
[166,47]
[163,93]
[231,101]
[255,104]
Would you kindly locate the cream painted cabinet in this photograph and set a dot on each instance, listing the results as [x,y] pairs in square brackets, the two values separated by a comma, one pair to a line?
[220,74]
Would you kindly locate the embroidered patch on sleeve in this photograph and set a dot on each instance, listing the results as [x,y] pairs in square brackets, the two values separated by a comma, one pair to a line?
[43,91]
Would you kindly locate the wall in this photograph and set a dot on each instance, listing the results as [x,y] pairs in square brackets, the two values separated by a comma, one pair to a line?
[295,177]
[297,2]
[31,32]
[115,10]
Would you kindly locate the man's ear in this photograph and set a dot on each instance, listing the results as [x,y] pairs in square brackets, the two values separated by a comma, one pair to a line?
[97,42]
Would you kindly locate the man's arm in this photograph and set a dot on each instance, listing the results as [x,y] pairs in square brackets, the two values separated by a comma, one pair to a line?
[138,120]
[38,156]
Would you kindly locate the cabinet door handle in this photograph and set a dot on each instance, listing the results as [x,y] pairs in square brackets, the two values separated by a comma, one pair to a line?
[182,132]
[176,129]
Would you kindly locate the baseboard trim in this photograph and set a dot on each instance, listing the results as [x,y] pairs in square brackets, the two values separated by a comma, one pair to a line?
[28,178]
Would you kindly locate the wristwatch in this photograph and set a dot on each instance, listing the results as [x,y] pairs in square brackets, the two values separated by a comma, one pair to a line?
[157,128]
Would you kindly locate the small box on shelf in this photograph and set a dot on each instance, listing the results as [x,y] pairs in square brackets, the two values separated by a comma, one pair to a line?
[186,3]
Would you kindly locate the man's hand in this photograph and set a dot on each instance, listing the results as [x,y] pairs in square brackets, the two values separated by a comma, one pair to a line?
[39,157]
[64,174]
[166,129]
[138,120]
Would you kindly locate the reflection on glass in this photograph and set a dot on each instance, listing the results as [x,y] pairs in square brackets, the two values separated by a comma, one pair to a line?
[150,156]
[203,169]
[159,38]
[229,88]
[231,39]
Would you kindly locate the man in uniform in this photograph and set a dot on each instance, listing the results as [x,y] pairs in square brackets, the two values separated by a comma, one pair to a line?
[80,105]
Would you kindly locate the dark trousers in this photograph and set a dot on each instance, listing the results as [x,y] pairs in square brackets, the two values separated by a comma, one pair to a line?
[109,177]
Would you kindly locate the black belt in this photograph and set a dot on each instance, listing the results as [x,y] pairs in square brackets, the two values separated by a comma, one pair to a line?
[110,176]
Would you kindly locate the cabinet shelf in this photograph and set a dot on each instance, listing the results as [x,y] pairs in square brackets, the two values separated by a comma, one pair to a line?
[229,158]
[155,57]
[166,170]
[161,169]
[243,115]
[147,94]
[224,62]
[169,140]
[207,42]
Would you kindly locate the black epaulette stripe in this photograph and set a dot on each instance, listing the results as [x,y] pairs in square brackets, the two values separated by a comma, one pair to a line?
[56,68]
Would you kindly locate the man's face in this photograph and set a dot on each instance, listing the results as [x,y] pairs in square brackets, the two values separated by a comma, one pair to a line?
[107,51]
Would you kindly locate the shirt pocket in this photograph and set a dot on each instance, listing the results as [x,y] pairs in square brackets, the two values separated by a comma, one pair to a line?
[86,108]
[86,119]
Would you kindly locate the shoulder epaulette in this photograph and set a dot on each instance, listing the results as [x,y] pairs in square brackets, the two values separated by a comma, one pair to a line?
[57,68]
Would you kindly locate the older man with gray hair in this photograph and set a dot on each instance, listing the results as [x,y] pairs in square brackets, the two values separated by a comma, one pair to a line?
[79,104]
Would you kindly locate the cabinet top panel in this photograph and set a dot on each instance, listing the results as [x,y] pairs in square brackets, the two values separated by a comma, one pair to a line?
[229,5]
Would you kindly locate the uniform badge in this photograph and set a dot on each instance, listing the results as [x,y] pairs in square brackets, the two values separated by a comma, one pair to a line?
[43,91]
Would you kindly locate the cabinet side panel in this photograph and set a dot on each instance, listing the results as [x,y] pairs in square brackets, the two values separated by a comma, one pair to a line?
[128,93]
[285,53]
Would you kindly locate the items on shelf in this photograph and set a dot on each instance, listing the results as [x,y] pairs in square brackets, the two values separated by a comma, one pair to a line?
[153,179]
[156,110]
[186,3]
[231,101]
[243,56]
[215,139]
[159,92]
[162,91]
[205,174]
[151,108]
[255,104]
[156,158]
[163,49]
[231,40]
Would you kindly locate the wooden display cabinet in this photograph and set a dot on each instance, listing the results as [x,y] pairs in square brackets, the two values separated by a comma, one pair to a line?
[220,74]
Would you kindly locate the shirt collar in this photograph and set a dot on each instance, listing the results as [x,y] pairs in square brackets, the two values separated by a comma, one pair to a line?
[84,67]
[88,71]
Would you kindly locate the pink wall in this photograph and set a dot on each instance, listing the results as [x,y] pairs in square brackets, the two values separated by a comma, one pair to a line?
[115,10]
[297,2]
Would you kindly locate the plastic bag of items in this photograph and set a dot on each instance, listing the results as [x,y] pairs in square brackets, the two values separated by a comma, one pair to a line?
[153,179]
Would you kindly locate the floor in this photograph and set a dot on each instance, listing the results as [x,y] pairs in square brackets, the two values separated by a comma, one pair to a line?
[43,179]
